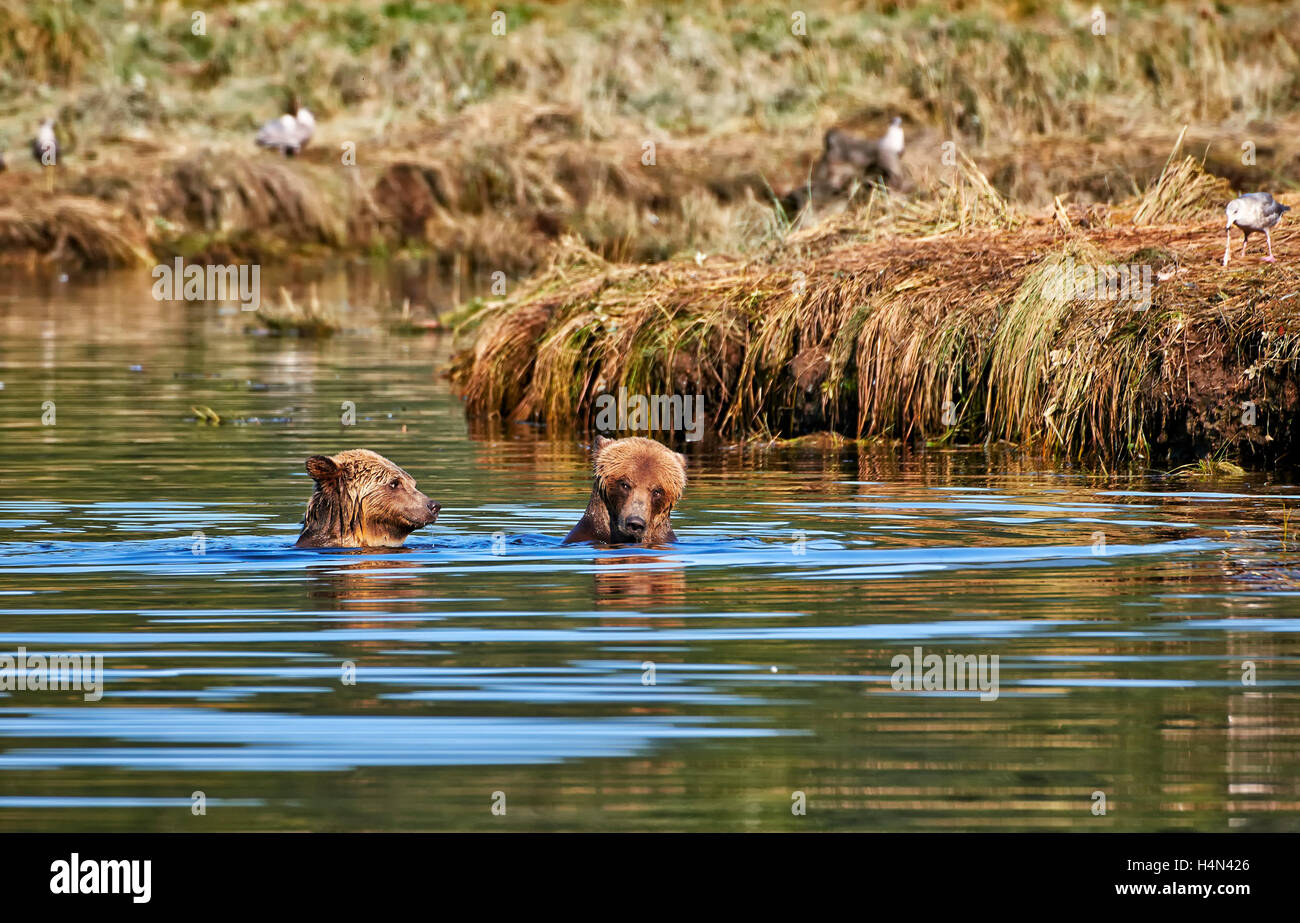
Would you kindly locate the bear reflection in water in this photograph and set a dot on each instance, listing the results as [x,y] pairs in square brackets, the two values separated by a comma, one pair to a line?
[368,583]
[639,582]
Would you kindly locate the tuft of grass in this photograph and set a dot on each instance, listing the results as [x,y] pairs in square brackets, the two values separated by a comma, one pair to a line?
[78,229]
[312,319]
[1182,192]
[205,414]
[1209,468]
[963,200]
[50,43]
[225,192]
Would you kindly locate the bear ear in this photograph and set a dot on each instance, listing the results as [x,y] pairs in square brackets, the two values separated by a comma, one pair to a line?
[323,469]
[681,459]
[598,445]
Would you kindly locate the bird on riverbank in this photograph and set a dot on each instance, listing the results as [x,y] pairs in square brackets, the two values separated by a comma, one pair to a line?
[847,161]
[1253,212]
[46,152]
[45,146]
[288,134]
[865,158]
[892,142]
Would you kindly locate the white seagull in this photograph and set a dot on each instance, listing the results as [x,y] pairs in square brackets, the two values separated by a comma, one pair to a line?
[288,134]
[45,147]
[892,142]
[1253,212]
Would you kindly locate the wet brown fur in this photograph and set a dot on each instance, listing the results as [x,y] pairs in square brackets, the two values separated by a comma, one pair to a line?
[637,483]
[362,500]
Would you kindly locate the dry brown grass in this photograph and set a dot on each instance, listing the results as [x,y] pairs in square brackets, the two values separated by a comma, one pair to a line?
[954,336]
[215,203]
[47,42]
[497,146]
[79,230]
[498,193]
[1183,191]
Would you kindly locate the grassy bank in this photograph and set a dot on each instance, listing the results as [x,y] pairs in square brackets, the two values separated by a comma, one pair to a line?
[966,335]
[494,147]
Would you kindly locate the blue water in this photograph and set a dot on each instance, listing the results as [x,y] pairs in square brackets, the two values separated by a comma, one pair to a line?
[694,687]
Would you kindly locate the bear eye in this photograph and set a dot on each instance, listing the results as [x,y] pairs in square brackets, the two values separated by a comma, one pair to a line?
[658,491]
[395,483]
[625,484]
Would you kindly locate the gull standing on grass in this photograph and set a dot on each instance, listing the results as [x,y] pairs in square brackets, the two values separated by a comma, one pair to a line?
[45,146]
[1253,212]
[288,134]
[891,151]
[892,142]
[45,150]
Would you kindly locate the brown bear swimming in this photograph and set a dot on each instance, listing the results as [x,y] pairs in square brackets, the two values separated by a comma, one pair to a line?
[638,481]
[362,500]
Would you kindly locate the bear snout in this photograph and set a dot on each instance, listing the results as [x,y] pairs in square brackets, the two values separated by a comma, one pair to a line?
[433,507]
[634,526]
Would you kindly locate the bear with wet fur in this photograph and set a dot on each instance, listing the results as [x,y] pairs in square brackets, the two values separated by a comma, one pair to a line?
[638,482]
[362,500]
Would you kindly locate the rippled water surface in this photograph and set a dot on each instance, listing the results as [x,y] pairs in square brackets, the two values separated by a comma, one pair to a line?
[1124,610]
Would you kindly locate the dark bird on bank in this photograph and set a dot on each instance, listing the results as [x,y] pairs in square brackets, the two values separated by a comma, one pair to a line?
[288,134]
[1253,212]
[847,160]
[45,146]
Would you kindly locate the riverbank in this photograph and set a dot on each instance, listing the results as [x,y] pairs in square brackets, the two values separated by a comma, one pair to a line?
[1082,334]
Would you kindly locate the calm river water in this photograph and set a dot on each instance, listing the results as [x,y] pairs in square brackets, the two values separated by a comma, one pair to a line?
[496,668]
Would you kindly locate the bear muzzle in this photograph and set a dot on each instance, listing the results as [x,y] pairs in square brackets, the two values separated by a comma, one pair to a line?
[426,514]
[633,526]
[416,513]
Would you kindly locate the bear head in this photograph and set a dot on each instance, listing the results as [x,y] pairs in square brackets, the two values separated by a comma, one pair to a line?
[638,481]
[362,500]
